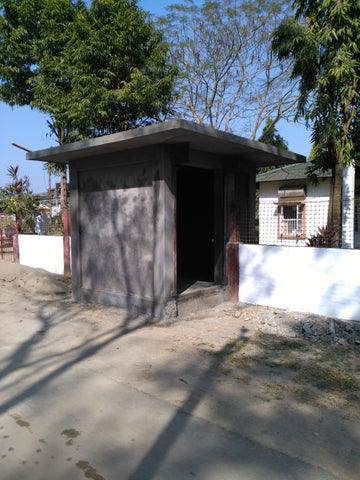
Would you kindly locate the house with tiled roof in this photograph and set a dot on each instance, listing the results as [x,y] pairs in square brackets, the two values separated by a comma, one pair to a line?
[292,209]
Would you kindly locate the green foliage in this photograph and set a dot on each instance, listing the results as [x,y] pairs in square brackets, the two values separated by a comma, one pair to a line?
[16,198]
[320,239]
[323,42]
[314,167]
[271,136]
[53,168]
[19,29]
[55,225]
[94,69]
[120,65]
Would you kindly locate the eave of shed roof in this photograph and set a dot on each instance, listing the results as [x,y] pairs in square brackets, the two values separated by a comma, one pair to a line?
[199,137]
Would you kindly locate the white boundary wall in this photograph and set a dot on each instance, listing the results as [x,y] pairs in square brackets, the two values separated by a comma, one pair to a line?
[42,251]
[323,281]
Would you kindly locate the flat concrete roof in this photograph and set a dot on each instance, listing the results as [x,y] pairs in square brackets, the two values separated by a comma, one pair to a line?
[199,137]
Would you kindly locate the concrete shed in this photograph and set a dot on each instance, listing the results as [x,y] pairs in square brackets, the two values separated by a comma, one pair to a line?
[159,209]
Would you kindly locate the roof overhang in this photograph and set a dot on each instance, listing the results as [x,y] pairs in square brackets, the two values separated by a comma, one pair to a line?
[199,137]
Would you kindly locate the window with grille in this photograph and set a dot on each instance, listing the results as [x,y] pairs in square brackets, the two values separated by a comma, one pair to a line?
[291,220]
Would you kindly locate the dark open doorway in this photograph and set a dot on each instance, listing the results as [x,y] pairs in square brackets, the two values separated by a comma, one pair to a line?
[195,226]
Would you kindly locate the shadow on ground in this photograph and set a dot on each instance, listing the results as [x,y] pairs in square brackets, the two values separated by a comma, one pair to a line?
[139,401]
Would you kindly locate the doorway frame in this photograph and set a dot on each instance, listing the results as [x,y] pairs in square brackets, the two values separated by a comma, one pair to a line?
[218,222]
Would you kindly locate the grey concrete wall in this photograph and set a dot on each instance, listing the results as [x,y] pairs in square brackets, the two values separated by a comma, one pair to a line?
[119,243]
[117,231]
[164,226]
[123,223]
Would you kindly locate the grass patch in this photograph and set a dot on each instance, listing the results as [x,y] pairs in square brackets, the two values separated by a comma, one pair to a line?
[352,397]
[330,379]
[304,394]
[243,379]
[229,350]
[206,344]
[319,374]
[276,389]
[280,344]
[225,370]
[331,354]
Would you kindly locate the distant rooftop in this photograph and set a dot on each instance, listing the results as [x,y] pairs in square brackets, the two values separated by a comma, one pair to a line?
[289,172]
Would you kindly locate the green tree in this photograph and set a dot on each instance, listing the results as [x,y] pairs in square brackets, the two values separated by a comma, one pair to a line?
[110,68]
[120,65]
[17,199]
[33,38]
[94,69]
[52,80]
[229,77]
[19,29]
[271,136]
[323,42]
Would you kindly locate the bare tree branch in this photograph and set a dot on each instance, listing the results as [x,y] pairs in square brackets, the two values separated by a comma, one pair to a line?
[229,77]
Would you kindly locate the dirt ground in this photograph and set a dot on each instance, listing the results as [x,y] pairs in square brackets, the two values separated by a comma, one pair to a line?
[252,368]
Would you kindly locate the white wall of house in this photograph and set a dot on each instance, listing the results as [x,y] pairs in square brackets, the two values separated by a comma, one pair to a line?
[323,281]
[42,251]
[316,210]
[348,205]
[42,221]
[357,223]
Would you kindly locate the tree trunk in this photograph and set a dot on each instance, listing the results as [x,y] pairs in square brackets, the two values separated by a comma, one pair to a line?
[18,222]
[49,189]
[63,189]
[63,182]
[335,205]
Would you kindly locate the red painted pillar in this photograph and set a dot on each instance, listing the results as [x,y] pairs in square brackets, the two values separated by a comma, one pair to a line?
[232,260]
[232,271]
[16,250]
[66,240]
[233,236]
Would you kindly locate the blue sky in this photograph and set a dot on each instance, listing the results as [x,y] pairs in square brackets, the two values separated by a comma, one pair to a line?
[29,128]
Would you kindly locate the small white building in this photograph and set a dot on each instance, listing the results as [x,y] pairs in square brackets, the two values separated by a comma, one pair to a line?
[291,209]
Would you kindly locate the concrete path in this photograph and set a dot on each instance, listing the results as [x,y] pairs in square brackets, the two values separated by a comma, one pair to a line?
[90,392]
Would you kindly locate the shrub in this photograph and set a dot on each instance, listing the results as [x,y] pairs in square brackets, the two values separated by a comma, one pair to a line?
[17,199]
[320,239]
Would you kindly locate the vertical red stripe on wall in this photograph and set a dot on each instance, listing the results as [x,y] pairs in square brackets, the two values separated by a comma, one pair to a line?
[16,248]
[232,271]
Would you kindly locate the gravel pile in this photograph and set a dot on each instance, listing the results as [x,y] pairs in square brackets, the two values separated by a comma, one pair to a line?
[294,324]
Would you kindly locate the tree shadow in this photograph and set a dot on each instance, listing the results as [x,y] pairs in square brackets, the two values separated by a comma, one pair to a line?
[220,430]
[58,362]
[252,444]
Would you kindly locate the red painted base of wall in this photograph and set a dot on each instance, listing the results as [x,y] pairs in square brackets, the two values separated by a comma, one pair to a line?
[232,271]
[16,248]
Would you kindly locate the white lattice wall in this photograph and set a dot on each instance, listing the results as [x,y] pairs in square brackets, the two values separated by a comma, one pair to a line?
[315,213]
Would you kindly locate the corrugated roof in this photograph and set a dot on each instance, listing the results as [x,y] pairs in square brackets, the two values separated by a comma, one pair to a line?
[289,172]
